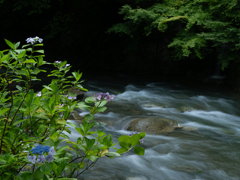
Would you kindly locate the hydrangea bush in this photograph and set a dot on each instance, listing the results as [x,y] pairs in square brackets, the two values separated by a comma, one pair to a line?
[33,124]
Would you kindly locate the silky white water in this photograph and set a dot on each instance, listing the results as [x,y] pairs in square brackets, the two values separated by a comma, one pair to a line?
[208,146]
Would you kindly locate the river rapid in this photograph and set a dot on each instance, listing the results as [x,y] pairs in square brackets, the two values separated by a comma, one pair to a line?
[206,148]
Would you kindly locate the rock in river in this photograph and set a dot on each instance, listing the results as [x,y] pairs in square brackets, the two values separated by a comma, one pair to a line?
[152,125]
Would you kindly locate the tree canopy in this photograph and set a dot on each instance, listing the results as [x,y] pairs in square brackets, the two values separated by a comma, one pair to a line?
[204,26]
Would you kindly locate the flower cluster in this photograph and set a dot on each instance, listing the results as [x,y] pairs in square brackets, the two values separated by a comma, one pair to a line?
[69,97]
[34,40]
[141,140]
[101,96]
[63,66]
[40,150]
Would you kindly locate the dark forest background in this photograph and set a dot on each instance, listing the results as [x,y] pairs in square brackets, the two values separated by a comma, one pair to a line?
[161,38]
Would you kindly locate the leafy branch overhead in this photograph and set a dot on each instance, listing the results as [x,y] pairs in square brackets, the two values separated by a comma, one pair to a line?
[202,25]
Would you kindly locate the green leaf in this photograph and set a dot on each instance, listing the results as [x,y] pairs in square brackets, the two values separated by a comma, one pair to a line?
[39,51]
[93,110]
[122,150]
[19,87]
[29,61]
[89,100]
[84,106]
[139,150]
[89,117]
[115,154]
[47,168]
[81,165]
[4,58]
[80,130]
[107,140]
[101,103]
[18,122]
[17,45]
[49,142]
[124,145]
[38,174]
[22,72]
[71,124]
[47,87]
[62,149]
[20,55]
[10,44]
[4,110]
[101,109]
[90,142]
[142,135]
[61,121]
[135,139]
[124,138]
[92,158]
[38,44]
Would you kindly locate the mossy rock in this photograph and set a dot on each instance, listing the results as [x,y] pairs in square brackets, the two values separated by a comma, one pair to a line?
[152,125]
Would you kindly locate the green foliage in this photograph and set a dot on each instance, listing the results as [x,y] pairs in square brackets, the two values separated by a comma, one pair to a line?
[27,119]
[203,24]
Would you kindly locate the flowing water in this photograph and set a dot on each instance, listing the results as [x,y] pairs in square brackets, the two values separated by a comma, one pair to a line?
[207,147]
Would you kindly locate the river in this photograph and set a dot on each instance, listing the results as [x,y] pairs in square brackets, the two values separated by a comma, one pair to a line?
[206,148]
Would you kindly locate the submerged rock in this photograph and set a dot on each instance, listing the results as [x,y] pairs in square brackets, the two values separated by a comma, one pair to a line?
[75,116]
[153,106]
[136,178]
[152,125]
[185,108]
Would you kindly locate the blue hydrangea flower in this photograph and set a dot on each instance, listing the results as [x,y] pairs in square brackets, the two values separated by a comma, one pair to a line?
[50,158]
[40,149]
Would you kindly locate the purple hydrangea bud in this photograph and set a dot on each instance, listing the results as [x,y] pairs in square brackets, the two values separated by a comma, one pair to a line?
[70,97]
[41,159]
[49,157]
[39,94]
[34,40]
[40,40]
[58,62]
[52,151]
[67,65]
[104,96]
[32,159]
